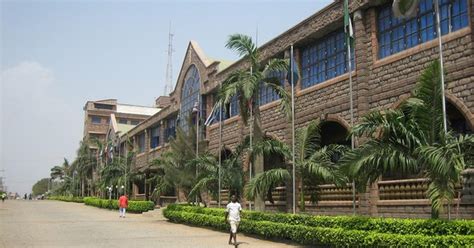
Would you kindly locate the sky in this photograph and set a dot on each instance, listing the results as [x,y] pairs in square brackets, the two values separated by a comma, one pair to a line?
[56,55]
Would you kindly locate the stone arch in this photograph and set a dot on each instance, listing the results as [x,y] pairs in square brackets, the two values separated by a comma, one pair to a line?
[226,152]
[275,160]
[400,100]
[455,110]
[334,130]
[460,117]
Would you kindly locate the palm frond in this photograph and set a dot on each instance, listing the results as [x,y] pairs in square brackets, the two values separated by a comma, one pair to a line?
[266,181]
[270,147]
[243,45]
[275,65]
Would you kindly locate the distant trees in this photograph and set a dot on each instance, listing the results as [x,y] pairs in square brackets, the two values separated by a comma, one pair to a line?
[41,186]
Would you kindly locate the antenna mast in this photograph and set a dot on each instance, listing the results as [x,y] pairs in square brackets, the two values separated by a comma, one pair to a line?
[169,65]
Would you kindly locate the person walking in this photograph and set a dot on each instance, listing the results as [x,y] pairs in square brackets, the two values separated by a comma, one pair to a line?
[123,205]
[232,215]
[3,197]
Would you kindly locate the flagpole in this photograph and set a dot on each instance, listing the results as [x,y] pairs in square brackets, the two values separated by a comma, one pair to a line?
[220,157]
[349,67]
[197,138]
[443,100]
[293,127]
[251,148]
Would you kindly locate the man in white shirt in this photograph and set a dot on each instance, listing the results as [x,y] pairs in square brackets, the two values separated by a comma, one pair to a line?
[232,214]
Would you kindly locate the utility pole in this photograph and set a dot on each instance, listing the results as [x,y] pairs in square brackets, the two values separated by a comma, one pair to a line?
[2,182]
[169,65]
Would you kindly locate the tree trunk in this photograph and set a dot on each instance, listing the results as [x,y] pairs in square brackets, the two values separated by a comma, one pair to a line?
[258,163]
[302,202]
[82,187]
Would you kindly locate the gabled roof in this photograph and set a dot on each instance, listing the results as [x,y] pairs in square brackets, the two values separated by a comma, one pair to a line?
[123,128]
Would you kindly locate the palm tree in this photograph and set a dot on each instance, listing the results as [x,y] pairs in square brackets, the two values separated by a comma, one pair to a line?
[315,163]
[231,173]
[85,163]
[411,140]
[174,166]
[245,86]
[59,172]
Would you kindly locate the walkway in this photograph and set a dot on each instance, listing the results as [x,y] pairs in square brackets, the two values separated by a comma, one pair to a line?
[63,224]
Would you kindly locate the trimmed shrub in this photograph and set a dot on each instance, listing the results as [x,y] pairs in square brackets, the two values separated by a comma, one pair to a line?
[382,225]
[66,198]
[337,237]
[133,206]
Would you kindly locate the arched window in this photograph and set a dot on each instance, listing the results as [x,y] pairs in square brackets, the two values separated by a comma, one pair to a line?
[189,97]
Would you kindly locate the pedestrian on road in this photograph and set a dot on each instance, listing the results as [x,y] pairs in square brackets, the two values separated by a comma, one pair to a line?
[3,197]
[123,205]
[232,215]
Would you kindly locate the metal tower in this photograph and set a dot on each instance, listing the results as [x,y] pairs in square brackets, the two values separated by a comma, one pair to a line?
[169,66]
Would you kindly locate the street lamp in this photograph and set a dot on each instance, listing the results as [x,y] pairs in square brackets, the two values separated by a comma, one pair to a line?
[196,111]
[110,192]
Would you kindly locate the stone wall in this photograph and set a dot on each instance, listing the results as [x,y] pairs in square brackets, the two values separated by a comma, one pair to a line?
[377,84]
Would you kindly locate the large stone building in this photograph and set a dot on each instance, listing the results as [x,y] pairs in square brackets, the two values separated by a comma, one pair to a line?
[389,56]
[98,116]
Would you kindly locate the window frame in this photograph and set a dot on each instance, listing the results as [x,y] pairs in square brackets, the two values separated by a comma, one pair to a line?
[96,122]
[320,64]
[424,21]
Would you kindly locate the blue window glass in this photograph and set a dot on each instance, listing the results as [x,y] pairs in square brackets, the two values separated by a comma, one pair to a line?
[234,107]
[325,59]
[170,131]
[96,119]
[189,97]
[155,137]
[267,94]
[141,143]
[459,17]
[395,35]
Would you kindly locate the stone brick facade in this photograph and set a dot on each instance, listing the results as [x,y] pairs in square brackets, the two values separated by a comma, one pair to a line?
[377,84]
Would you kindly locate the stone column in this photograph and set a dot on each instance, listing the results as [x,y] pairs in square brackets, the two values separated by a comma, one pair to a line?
[364,42]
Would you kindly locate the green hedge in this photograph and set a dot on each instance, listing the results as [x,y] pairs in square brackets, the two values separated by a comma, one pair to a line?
[310,235]
[133,206]
[66,198]
[382,225]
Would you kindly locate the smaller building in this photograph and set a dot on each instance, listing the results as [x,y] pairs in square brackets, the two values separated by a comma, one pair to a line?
[98,115]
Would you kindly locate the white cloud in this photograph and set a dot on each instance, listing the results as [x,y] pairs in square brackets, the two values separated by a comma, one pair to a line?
[38,126]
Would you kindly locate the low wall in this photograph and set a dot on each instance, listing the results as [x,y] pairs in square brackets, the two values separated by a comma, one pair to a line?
[405,198]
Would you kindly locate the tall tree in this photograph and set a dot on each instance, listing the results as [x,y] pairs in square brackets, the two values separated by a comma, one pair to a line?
[244,84]
[313,161]
[41,186]
[175,169]
[85,163]
[411,140]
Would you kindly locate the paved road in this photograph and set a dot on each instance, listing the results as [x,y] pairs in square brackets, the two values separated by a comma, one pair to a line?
[62,224]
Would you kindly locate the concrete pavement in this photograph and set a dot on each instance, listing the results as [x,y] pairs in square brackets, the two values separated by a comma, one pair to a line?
[63,224]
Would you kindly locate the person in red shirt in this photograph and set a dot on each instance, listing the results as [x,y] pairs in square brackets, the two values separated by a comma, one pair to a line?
[123,205]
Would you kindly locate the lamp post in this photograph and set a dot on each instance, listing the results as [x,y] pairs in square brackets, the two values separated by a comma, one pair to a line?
[110,192]
[196,110]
